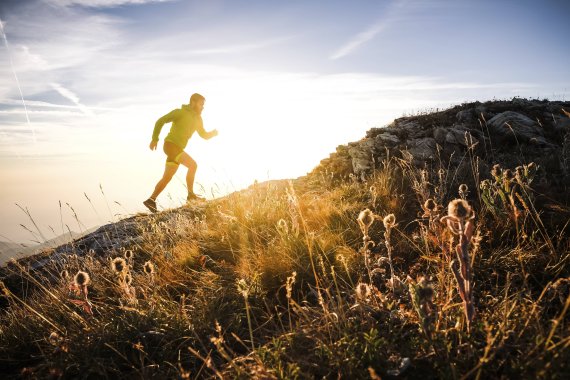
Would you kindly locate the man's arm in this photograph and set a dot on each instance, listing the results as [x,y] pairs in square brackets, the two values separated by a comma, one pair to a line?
[168,118]
[206,135]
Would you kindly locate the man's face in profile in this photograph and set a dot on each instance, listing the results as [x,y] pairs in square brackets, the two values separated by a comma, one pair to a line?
[198,105]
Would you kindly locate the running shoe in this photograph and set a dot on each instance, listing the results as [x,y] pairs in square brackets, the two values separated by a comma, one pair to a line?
[193,197]
[151,205]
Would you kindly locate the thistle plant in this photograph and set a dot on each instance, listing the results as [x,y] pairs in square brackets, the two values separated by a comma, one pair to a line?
[293,208]
[421,294]
[78,291]
[282,227]
[118,265]
[121,269]
[463,191]
[289,293]
[363,291]
[365,220]
[130,292]
[148,268]
[508,191]
[244,289]
[54,338]
[289,285]
[431,232]
[459,220]
[389,223]
[374,195]
[129,256]
[64,274]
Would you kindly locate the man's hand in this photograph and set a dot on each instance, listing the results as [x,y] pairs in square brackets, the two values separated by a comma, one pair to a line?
[214,133]
[153,145]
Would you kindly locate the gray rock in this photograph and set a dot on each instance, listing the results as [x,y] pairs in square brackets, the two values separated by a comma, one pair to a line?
[423,148]
[514,126]
[439,135]
[467,115]
[362,155]
[460,137]
[386,139]
[411,129]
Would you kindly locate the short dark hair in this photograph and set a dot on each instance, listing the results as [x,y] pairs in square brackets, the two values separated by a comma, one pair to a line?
[195,97]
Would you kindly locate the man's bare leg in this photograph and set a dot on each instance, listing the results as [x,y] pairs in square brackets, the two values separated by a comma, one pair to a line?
[192,166]
[169,171]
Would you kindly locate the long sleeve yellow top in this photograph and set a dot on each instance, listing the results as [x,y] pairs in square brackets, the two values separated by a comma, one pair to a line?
[185,121]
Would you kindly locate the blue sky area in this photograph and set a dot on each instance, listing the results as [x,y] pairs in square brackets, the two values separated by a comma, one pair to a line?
[83,81]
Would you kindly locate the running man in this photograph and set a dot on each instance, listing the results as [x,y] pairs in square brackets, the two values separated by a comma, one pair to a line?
[185,121]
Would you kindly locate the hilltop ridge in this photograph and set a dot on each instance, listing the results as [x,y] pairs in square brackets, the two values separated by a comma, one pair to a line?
[507,132]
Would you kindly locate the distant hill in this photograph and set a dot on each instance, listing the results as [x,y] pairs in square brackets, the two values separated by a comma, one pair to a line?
[9,250]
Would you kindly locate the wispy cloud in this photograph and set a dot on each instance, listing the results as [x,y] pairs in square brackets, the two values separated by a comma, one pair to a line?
[68,94]
[101,3]
[363,37]
[42,104]
[238,48]
[359,39]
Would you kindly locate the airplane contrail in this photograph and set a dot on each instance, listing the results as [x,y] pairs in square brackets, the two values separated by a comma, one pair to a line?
[17,80]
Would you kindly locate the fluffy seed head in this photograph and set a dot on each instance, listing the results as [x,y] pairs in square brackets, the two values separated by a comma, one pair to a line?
[282,226]
[363,291]
[463,188]
[430,205]
[148,267]
[118,264]
[365,218]
[289,284]
[81,278]
[64,274]
[242,287]
[459,209]
[389,221]
[54,338]
[128,254]
[128,279]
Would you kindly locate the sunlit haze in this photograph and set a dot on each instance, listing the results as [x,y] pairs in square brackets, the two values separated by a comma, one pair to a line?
[82,83]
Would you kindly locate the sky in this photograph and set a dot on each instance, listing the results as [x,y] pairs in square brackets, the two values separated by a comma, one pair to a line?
[82,83]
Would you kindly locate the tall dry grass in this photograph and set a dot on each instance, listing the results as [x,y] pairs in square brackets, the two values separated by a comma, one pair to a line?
[284,280]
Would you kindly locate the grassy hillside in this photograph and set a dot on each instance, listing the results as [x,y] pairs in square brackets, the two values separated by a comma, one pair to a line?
[317,277]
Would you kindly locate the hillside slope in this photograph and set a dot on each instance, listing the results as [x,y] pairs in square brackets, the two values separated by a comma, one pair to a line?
[436,247]
[10,250]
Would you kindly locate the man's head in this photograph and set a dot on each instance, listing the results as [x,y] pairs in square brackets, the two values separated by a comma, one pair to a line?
[197,102]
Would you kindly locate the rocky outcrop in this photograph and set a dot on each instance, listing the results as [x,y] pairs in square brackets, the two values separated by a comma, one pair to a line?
[510,132]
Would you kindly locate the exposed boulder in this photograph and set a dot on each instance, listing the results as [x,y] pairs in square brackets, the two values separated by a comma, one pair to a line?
[423,148]
[517,128]
[362,155]
[387,139]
